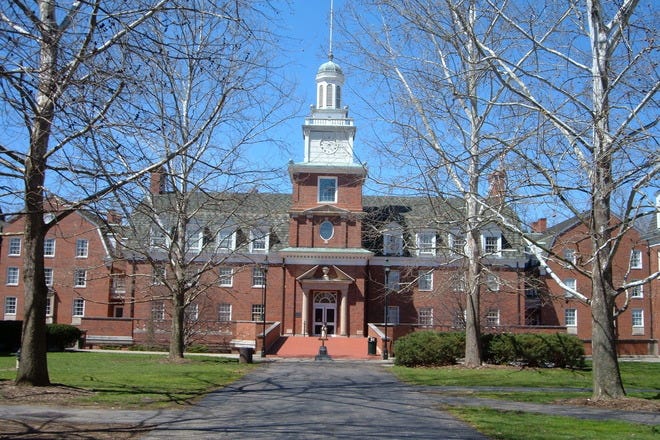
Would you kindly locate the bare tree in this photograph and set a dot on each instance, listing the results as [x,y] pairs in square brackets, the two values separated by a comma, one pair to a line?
[589,70]
[444,106]
[209,92]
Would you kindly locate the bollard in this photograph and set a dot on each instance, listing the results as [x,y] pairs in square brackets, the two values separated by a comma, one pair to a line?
[18,358]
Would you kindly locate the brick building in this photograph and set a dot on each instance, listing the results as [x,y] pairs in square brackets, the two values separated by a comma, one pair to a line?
[258,268]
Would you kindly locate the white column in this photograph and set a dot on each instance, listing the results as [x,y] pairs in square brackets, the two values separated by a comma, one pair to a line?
[305,313]
[343,317]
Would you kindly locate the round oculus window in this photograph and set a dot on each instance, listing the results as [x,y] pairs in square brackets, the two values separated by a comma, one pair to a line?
[327,230]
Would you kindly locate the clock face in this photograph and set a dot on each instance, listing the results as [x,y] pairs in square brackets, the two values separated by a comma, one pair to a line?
[329,146]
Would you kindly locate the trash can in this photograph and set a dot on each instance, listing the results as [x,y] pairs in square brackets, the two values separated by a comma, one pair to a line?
[245,355]
[371,344]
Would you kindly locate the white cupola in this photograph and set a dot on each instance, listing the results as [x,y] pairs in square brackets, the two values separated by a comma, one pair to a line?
[329,81]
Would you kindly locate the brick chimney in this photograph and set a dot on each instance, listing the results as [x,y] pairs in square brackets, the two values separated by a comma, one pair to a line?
[497,182]
[540,225]
[157,184]
[113,217]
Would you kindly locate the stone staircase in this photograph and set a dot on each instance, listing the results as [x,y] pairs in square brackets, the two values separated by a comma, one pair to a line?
[308,347]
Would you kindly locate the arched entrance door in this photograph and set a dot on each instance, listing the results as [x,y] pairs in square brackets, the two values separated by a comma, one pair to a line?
[325,312]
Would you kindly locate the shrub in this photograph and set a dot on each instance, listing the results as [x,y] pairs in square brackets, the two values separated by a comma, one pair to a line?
[60,336]
[535,350]
[425,348]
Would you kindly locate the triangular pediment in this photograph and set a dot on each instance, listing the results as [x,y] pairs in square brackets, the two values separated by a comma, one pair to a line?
[324,210]
[330,273]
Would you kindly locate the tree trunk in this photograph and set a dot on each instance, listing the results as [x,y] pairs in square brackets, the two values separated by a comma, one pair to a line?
[177,337]
[473,356]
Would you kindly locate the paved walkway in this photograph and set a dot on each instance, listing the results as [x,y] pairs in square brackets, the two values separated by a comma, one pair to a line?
[296,399]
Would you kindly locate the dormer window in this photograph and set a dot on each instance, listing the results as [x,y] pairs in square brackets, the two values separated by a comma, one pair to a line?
[327,190]
[258,241]
[457,242]
[226,240]
[426,243]
[393,240]
[491,242]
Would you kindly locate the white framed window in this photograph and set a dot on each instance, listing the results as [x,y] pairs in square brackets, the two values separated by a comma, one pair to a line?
[393,280]
[226,240]
[258,277]
[327,190]
[637,316]
[48,276]
[226,276]
[78,307]
[257,312]
[49,247]
[425,317]
[157,238]
[258,241]
[570,317]
[119,283]
[393,240]
[192,312]
[636,259]
[224,312]
[457,243]
[571,284]
[49,305]
[426,243]
[15,246]
[637,291]
[194,240]
[158,274]
[425,280]
[458,282]
[326,230]
[82,248]
[491,243]
[493,317]
[493,282]
[12,276]
[569,256]
[392,315]
[158,311]
[11,303]
[79,278]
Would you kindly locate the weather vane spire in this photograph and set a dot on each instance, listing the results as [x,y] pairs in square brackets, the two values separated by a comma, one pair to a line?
[331,16]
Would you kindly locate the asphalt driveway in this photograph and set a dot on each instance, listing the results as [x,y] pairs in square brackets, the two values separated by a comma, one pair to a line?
[313,400]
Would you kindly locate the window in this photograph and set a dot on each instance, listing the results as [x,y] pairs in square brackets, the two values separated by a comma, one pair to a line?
[82,246]
[80,278]
[571,285]
[392,243]
[570,317]
[457,243]
[191,313]
[493,318]
[78,307]
[49,247]
[326,230]
[569,256]
[258,277]
[158,311]
[392,315]
[458,283]
[393,280]
[258,241]
[158,239]
[49,305]
[425,317]
[224,312]
[328,189]
[48,275]
[492,244]
[158,275]
[636,259]
[15,246]
[257,312]
[226,276]
[425,280]
[119,283]
[426,243]
[194,240]
[225,240]
[493,282]
[12,276]
[10,305]
[637,317]
[637,292]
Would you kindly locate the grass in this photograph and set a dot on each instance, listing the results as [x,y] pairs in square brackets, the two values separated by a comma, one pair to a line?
[132,380]
[510,425]
[641,379]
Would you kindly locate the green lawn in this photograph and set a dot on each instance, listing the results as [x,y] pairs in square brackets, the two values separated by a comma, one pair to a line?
[131,380]
[641,379]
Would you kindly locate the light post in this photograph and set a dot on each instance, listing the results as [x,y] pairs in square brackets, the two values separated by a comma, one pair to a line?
[387,291]
[264,274]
